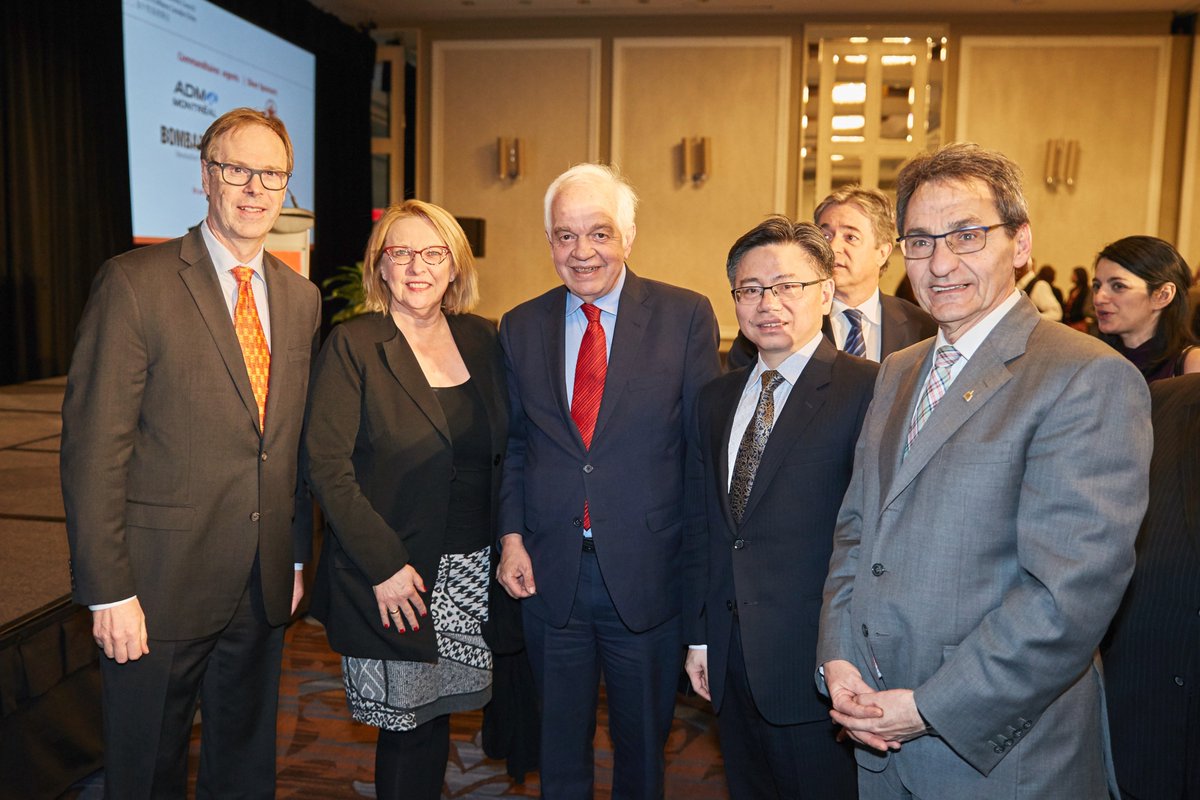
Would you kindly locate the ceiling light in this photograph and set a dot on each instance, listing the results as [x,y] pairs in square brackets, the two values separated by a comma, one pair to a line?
[848,122]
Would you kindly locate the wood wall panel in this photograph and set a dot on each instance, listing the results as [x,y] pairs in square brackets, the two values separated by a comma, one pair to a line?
[547,93]
[1109,94]
[734,91]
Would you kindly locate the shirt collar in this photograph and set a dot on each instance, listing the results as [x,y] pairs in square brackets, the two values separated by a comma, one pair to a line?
[970,341]
[222,259]
[871,308]
[607,303]
[791,367]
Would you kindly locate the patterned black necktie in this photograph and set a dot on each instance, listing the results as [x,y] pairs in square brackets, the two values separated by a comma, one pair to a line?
[754,441]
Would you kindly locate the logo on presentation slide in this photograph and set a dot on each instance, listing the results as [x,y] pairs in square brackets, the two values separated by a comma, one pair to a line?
[173,137]
[191,97]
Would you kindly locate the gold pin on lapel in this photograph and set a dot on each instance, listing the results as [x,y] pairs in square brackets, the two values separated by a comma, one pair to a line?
[968,395]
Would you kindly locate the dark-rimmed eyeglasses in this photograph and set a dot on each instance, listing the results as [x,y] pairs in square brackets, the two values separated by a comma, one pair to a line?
[237,175]
[403,256]
[789,290]
[960,242]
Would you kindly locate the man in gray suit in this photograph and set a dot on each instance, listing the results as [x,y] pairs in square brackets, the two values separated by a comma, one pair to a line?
[987,535]
[181,426]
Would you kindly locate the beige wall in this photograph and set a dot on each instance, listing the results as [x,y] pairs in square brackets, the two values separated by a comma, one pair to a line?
[1135,105]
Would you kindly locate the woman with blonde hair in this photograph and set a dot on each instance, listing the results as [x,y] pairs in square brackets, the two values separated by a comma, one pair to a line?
[403,446]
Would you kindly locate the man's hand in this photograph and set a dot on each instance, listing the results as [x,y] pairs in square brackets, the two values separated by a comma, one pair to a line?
[847,690]
[696,666]
[900,721]
[515,571]
[297,590]
[399,599]
[121,631]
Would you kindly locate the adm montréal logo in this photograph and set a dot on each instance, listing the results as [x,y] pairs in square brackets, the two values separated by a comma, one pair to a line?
[191,97]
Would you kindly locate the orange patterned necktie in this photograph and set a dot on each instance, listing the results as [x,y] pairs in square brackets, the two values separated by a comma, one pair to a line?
[254,343]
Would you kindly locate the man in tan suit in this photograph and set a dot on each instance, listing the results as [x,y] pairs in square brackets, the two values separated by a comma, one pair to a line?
[181,427]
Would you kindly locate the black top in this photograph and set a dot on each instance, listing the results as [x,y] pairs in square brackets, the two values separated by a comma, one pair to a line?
[1150,359]
[468,521]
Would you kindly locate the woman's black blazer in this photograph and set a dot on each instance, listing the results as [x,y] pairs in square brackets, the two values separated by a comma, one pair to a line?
[378,456]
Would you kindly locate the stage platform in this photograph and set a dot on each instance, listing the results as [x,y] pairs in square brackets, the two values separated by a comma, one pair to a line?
[50,728]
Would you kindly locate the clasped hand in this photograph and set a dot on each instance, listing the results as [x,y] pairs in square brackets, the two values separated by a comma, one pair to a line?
[880,720]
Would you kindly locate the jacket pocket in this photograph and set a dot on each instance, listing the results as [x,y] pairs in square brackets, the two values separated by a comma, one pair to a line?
[162,518]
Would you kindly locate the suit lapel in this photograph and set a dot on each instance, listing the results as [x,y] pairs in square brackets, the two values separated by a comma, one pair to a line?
[632,316]
[279,305]
[895,429]
[803,403]
[200,278]
[723,412]
[407,371]
[554,334]
[827,329]
[978,383]
[893,327]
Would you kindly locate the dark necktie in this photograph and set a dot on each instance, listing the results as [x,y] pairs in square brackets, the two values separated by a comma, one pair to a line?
[854,338]
[754,442]
[590,370]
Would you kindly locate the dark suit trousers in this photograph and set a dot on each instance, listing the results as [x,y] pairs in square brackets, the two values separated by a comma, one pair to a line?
[778,762]
[150,705]
[641,673]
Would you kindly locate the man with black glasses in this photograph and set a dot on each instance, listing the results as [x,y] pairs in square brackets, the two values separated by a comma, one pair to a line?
[777,439]
[181,427]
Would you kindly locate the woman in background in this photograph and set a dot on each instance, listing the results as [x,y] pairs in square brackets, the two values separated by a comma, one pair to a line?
[403,445]
[1140,294]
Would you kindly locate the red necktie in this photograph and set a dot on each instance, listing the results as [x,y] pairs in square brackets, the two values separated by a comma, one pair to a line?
[590,370]
[248,328]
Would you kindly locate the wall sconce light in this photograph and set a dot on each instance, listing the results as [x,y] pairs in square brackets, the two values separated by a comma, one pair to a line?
[697,159]
[1062,163]
[510,158]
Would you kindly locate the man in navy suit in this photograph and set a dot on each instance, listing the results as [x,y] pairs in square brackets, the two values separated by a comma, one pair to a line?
[754,584]
[595,504]
[858,223]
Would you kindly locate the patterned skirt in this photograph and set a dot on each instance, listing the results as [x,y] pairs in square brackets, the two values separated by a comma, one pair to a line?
[400,695]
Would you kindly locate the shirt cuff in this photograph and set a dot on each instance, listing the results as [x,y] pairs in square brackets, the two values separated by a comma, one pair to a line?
[102,606]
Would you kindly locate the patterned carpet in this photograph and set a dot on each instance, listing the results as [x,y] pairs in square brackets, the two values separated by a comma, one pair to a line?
[323,754]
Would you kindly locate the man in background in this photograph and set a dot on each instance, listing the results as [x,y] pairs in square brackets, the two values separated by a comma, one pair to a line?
[858,223]
[181,427]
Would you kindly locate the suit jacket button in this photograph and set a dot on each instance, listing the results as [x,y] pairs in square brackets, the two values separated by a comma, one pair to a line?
[997,749]
[262,456]
[864,630]
[1008,742]
[1026,725]
[577,522]
[254,517]
[588,468]
[738,544]
[729,605]
[1178,680]
[496,460]
[877,570]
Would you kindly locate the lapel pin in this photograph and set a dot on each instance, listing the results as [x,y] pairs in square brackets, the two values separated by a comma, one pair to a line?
[968,395]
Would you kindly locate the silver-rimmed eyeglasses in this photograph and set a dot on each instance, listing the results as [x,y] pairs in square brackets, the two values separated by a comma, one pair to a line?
[237,175]
[960,242]
[789,290]
[403,256]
